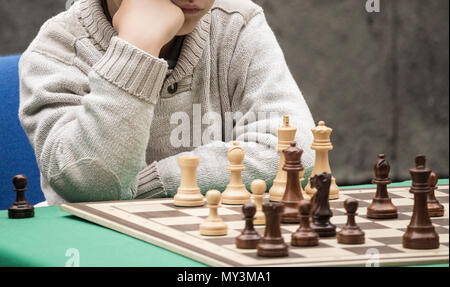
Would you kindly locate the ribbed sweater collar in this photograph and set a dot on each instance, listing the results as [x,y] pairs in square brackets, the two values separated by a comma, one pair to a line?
[100,30]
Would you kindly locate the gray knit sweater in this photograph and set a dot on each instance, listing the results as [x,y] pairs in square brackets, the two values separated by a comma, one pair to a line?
[108,121]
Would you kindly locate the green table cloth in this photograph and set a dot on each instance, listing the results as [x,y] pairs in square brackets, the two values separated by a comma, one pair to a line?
[55,238]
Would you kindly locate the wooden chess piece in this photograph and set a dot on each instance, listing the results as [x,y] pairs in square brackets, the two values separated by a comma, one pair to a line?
[322,145]
[305,235]
[213,224]
[235,192]
[286,134]
[351,233]
[272,244]
[21,208]
[420,233]
[321,212]
[302,191]
[435,208]
[258,188]
[381,206]
[292,196]
[249,238]
[188,194]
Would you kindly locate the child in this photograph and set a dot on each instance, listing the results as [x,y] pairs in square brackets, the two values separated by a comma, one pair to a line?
[112,92]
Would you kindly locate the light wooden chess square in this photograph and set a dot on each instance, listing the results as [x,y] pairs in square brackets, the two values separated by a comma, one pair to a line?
[402,193]
[290,227]
[238,225]
[443,238]
[287,238]
[362,211]
[326,253]
[444,250]
[376,233]
[437,193]
[178,220]
[446,206]
[233,248]
[342,198]
[350,191]
[342,219]
[205,211]
[401,201]
[231,234]
[394,223]
[135,208]
[333,242]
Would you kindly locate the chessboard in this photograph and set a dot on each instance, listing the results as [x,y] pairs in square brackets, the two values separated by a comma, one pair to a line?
[159,222]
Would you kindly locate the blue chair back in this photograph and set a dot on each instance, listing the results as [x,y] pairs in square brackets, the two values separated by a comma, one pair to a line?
[16,153]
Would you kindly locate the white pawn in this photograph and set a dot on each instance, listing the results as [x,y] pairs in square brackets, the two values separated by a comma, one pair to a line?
[236,193]
[213,224]
[258,188]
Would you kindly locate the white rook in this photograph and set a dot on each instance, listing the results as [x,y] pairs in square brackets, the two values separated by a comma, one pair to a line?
[188,194]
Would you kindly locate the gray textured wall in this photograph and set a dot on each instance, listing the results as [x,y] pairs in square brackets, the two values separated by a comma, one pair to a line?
[380,80]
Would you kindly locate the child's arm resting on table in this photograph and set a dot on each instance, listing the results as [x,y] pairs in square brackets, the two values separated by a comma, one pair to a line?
[260,81]
[90,133]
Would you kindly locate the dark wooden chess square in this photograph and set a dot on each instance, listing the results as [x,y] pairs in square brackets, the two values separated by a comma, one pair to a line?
[227,217]
[253,254]
[389,240]
[160,214]
[439,221]
[340,204]
[440,229]
[392,195]
[443,190]
[402,216]
[404,208]
[171,205]
[442,199]
[260,229]
[370,225]
[337,212]
[238,209]
[232,217]
[186,227]
[222,240]
[363,196]
[321,245]
[363,249]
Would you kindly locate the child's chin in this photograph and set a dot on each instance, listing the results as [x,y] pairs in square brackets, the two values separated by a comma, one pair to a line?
[186,29]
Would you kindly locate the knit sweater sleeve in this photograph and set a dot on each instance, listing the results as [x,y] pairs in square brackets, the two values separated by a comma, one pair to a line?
[90,132]
[259,83]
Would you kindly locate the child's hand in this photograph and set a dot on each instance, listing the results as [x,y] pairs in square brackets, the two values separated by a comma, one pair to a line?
[149,24]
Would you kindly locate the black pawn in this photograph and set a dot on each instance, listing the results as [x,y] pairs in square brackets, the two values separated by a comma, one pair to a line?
[20,208]
[249,238]
[351,233]
[435,208]
[305,235]
[321,212]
